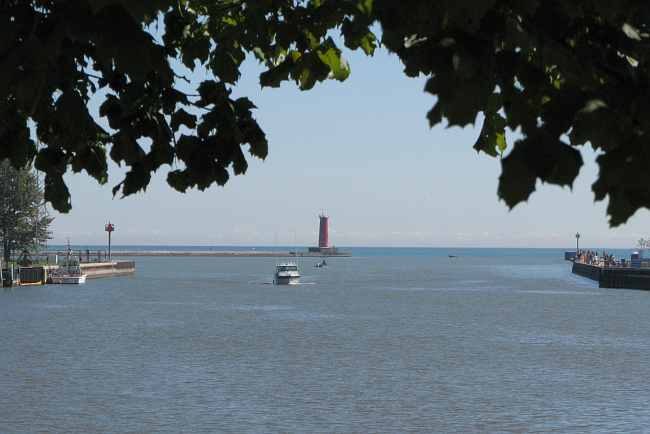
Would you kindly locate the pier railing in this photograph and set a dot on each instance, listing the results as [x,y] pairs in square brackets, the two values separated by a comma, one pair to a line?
[622,264]
[77,256]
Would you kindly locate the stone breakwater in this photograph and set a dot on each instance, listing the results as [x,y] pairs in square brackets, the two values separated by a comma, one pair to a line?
[242,254]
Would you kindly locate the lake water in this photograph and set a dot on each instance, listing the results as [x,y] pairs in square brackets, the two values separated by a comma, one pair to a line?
[389,340]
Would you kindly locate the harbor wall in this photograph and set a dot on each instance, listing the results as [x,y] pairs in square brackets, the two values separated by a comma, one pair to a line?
[585,270]
[631,278]
[327,253]
[39,275]
[108,269]
[623,278]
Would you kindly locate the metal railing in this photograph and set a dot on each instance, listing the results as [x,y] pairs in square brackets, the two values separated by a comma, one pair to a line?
[60,257]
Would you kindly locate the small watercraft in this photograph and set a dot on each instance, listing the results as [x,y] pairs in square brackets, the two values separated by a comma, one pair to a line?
[321,264]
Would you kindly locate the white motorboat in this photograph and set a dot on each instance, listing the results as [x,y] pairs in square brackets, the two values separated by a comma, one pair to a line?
[286,274]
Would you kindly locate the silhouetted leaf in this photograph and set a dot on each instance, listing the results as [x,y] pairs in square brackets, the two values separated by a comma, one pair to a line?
[56,192]
[538,156]
[181,117]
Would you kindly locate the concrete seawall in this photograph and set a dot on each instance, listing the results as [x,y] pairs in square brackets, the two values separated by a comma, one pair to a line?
[108,269]
[624,278]
[585,270]
[39,275]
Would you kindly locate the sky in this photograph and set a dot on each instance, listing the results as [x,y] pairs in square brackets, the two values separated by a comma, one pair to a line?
[363,152]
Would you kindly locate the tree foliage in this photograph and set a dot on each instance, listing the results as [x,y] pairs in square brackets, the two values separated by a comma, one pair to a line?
[23,221]
[563,74]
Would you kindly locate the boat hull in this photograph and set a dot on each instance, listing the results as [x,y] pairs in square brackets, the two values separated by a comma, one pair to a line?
[286,280]
[69,280]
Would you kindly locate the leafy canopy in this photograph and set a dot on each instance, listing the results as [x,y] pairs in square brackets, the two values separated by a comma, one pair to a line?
[563,73]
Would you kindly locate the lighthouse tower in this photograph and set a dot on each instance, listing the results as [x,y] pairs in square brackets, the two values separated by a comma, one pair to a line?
[323,232]
[324,246]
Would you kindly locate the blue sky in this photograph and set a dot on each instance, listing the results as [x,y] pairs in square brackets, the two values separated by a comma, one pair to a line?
[363,151]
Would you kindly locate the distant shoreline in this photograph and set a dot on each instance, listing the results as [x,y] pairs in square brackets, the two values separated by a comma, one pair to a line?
[201,253]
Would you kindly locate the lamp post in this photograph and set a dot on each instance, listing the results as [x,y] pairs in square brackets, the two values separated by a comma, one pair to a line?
[110,227]
[577,242]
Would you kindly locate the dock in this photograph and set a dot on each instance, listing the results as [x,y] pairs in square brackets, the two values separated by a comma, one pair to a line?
[108,269]
[39,275]
[614,277]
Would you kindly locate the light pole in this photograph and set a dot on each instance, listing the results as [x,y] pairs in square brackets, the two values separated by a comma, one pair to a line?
[577,242]
[110,227]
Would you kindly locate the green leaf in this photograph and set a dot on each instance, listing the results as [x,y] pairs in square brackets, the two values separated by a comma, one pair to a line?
[93,160]
[187,146]
[113,110]
[273,77]
[51,160]
[57,193]
[492,139]
[623,178]
[537,156]
[181,117]
[357,35]
[226,62]
[366,6]
[135,180]
[212,92]
[125,148]
[331,56]
[239,162]
[178,180]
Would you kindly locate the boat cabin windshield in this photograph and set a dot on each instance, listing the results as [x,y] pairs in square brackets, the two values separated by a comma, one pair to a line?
[287,267]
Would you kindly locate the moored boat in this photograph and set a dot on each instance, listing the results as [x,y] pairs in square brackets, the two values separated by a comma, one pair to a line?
[68,276]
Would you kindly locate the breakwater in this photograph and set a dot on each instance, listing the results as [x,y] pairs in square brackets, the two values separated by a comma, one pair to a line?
[614,277]
[108,269]
[236,253]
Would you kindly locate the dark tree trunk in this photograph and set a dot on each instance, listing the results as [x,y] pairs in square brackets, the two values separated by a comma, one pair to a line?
[6,252]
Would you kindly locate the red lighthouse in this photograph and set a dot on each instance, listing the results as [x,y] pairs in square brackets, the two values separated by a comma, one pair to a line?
[323,232]
[324,247]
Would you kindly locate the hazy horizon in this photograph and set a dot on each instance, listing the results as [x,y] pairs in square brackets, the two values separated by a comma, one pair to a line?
[341,247]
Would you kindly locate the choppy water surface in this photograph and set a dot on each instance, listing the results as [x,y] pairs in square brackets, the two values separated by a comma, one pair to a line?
[386,341]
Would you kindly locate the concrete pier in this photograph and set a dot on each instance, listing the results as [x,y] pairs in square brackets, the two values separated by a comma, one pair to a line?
[39,275]
[614,277]
[108,269]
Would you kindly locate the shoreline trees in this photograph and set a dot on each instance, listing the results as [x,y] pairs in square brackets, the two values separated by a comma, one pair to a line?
[23,221]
